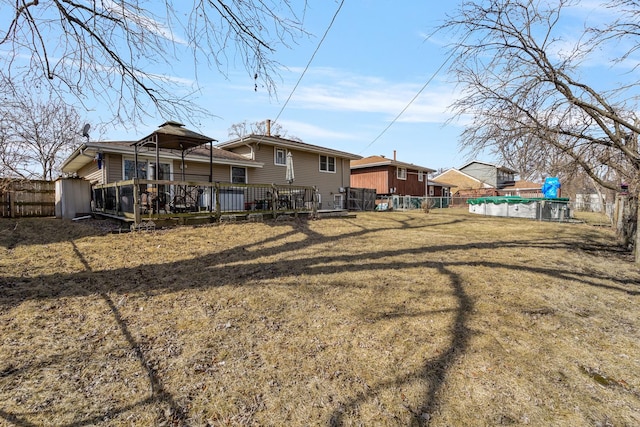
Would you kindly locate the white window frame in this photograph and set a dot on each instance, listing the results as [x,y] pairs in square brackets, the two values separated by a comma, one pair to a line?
[401,173]
[277,150]
[246,176]
[420,176]
[432,190]
[328,168]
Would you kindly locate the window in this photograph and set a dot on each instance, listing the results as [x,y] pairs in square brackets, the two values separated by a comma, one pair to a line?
[130,169]
[146,170]
[402,173]
[431,190]
[238,175]
[280,157]
[327,164]
[420,176]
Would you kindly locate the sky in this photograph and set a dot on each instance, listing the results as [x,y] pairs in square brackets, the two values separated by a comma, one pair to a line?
[375,59]
[372,62]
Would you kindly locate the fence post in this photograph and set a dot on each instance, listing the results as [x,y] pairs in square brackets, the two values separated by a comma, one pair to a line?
[12,204]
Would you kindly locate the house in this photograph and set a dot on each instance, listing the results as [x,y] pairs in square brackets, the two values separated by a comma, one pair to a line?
[194,158]
[493,175]
[325,168]
[392,177]
[483,179]
[461,183]
[189,157]
[523,189]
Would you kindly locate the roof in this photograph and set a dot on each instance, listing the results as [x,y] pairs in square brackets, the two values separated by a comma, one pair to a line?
[174,136]
[285,143]
[458,172]
[441,184]
[372,161]
[503,168]
[523,185]
[87,152]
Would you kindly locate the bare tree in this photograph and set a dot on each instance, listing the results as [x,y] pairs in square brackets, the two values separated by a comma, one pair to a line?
[121,53]
[36,136]
[522,86]
[242,129]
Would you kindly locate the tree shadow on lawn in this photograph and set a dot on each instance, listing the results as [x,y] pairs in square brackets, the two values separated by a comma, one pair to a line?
[234,266]
[43,231]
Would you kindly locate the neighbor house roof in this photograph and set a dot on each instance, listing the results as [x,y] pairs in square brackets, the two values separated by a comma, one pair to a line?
[441,184]
[503,168]
[285,143]
[461,180]
[523,185]
[372,161]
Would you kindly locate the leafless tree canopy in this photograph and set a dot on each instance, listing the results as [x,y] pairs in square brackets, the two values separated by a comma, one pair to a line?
[242,129]
[523,89]
[36,135]
[121,52]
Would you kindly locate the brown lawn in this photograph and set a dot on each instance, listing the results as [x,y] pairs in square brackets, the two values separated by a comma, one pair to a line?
[387,319]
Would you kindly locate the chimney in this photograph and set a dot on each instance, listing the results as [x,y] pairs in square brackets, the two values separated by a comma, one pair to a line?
[394,155]
[268,127]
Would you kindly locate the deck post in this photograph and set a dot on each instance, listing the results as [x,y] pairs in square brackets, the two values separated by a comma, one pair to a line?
[218,209]
[314,204]
[136,201]
[274,200]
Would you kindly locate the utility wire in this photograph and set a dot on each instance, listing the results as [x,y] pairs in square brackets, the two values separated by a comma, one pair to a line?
[335,15]
[410,102]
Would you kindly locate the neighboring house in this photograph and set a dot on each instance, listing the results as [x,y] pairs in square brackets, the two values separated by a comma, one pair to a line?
[494,175]
[108,162]
[461,182]
[526,189]
[324,168]
[482,179]
[439,189]
[391,177]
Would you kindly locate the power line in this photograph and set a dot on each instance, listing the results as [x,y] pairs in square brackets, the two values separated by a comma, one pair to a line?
[410,102]
[335,15]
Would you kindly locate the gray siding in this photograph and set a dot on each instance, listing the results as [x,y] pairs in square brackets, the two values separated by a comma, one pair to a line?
[484,173]
[91,173]
[114,167]
[307,172]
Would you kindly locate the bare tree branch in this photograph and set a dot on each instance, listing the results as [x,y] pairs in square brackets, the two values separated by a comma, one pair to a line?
[121,53]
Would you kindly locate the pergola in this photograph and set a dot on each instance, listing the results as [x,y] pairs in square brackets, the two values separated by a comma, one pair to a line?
[173,136]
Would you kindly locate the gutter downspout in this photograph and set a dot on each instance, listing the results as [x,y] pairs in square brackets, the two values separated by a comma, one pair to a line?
[253,153]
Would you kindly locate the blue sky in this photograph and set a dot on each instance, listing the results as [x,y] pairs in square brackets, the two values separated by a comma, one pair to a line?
[374,60]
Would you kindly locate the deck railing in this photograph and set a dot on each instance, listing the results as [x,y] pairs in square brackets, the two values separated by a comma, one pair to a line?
[142,198]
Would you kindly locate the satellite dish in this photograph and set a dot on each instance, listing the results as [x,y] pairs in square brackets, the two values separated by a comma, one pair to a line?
[85,130]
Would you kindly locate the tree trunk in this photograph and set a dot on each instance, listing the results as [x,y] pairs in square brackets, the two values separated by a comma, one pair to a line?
[636,247]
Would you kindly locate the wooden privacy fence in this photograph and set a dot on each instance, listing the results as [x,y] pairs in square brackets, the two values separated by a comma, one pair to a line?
[27,198]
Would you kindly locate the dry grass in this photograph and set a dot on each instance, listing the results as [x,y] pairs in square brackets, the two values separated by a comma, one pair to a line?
[389,319]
